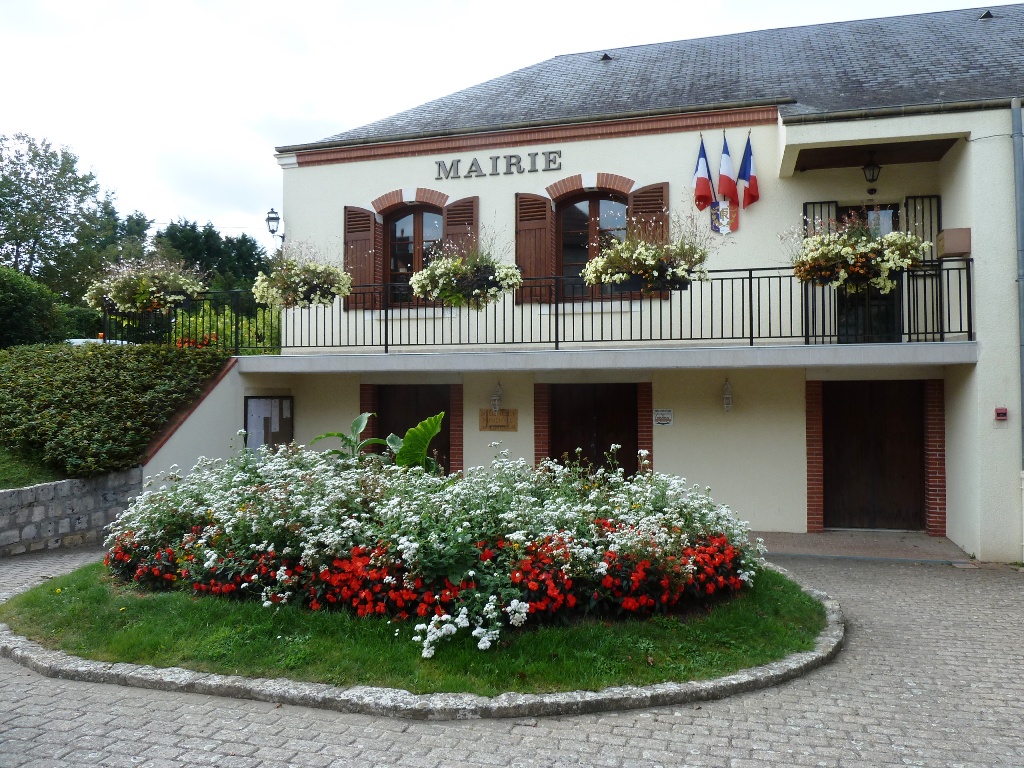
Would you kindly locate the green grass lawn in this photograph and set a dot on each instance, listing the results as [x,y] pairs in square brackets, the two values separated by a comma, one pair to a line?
[87,614]
[17,471]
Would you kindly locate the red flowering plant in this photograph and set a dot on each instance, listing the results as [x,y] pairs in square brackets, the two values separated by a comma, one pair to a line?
[480,552]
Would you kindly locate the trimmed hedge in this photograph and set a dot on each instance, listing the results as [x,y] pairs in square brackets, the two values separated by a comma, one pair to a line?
[94,409]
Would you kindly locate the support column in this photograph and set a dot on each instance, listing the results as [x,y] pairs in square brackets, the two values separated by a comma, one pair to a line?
[935,457]
[645,419]
[541,422]
[815,458]
[456,434]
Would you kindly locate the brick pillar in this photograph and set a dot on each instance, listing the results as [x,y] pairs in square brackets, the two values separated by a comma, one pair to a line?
[645,419]
[456,432]
[541,422]
[935,457]
[368,404]
[815,458]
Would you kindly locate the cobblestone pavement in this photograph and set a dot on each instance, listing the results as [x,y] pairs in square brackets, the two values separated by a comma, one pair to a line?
[932,675]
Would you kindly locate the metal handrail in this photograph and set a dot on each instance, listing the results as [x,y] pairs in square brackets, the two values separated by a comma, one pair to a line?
[761,305]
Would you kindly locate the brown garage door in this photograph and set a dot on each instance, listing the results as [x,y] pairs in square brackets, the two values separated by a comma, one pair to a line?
[400,407]
[873,434]
[592,417]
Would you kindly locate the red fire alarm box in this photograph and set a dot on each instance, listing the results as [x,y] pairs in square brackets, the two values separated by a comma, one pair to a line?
[1001,414]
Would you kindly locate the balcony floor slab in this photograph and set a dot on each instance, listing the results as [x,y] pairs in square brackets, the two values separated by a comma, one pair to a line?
[618,358]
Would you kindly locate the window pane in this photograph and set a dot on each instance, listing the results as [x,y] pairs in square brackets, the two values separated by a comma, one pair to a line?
[576,218]
[880,222]
[612,215]
[431,226]
[401,230]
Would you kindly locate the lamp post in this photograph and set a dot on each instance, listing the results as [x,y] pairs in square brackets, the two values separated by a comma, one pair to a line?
[273,223]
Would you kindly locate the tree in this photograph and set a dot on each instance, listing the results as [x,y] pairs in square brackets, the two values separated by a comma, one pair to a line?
[44,203]
[102,238]
[231,262]
[28,311]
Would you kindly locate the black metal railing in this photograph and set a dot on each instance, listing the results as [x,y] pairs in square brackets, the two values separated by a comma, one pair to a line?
[750,306]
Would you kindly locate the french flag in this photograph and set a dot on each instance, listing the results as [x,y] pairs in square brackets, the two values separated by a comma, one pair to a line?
[748,176]
[727,177]
[703,192]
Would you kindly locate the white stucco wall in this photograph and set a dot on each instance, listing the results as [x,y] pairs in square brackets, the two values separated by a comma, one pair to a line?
[211,430]
[752,457]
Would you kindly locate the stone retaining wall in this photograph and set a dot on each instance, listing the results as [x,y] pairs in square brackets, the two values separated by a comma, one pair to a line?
[68,513]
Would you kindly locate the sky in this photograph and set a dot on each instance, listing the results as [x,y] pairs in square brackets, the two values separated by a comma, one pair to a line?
[177,107]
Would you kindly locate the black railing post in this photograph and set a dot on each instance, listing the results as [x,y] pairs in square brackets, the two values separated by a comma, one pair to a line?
[750,302]
[386,309]
[968,263]
[557,296]
[237,322]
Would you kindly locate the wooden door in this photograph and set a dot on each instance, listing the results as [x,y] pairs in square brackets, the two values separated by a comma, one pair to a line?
[873,435]
[400,407]
[592,417]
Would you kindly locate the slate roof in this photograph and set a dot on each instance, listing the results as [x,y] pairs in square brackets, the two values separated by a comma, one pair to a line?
[924,59]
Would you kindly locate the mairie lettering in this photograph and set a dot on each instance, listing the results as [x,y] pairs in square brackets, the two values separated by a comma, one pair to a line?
[499,165]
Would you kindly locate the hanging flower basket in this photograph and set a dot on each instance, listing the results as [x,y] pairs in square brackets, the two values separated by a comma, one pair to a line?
[853,258]
[151,283]
[657,267]
[301,283]
[465,277]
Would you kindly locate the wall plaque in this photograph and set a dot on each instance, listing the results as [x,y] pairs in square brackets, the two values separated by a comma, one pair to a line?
[505,420]
[663,417]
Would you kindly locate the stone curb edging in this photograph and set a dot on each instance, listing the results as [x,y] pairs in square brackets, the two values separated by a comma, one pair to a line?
[393,702]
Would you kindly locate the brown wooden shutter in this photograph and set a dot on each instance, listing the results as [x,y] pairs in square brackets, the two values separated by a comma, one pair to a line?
[535,247]
[364,257]
[459,221]
[648,212]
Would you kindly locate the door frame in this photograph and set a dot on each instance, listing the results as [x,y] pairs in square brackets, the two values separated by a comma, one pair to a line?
[934,449]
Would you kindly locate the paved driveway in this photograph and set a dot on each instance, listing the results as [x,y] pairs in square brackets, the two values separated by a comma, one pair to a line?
[932,675]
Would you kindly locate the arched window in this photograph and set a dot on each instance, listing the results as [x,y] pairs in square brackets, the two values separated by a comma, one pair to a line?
[390,246]
[556,237]
[411,238]
[586,226]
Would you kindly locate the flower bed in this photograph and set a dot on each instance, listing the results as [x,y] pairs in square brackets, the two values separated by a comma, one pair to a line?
[500,546]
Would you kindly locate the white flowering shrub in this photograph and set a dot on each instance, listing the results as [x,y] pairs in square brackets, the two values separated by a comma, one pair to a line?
[495,547]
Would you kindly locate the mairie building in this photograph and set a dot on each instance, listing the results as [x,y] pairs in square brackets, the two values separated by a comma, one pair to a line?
[801,406]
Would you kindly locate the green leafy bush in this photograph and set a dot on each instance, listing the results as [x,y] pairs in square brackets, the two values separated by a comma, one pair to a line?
[94,409]
[80,322]
[28,313]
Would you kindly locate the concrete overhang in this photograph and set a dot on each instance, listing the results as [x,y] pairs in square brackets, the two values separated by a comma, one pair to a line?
[648,358]
[913,139]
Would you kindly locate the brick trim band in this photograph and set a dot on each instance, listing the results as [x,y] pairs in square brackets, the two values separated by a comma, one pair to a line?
[609,129]
[397,197]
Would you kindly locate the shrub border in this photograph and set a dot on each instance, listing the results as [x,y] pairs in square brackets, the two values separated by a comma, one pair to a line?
[394,702]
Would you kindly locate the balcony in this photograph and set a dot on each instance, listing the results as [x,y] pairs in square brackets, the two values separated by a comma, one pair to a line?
[733,308]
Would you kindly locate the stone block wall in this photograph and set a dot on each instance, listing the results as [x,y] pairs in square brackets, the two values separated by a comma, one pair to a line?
[68,513]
